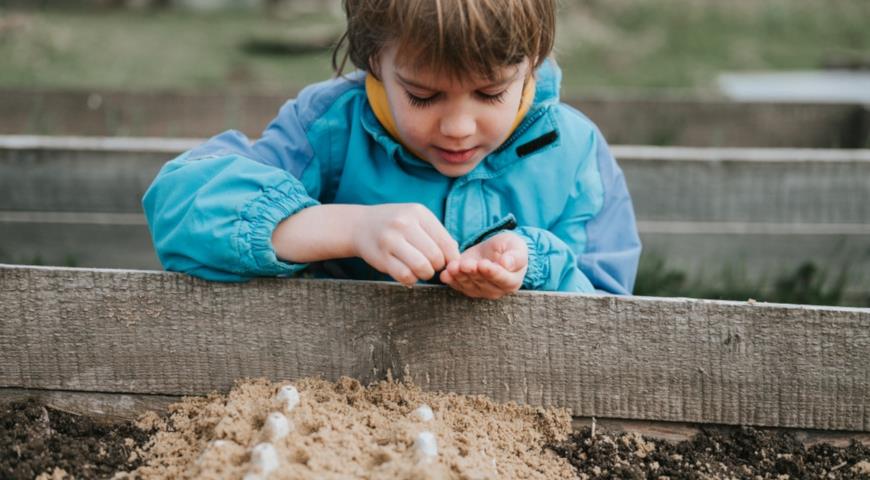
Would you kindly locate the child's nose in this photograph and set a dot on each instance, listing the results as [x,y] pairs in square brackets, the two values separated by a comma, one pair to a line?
[458,124]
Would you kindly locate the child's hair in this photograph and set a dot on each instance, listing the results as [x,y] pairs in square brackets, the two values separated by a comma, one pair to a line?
[453,37]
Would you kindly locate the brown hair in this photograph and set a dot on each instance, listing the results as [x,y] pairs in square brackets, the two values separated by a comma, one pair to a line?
[455,37]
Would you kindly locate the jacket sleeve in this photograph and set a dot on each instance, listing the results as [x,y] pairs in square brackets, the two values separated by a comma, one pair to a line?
[594,245]
[212,210]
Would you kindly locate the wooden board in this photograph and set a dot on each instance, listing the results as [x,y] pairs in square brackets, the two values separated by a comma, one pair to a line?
[640,119]
[680,431]
[633,358]
[761,212]
[108,407]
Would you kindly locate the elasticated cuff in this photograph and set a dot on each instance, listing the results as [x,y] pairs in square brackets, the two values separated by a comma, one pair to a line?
[539,265]
[259,220]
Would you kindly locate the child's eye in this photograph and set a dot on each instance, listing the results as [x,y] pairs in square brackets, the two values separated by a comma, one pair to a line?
[421,102]
[491,98]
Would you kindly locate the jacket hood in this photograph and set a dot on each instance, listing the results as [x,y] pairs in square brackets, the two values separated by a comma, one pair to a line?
[549,77]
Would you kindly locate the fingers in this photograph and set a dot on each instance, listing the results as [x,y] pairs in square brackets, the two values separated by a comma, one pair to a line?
[499,275]
[399,271]
[509,251]
[446,244]
[424,234]
[414,260]
[459,280]
[465,269]
[420,240]
[480,279]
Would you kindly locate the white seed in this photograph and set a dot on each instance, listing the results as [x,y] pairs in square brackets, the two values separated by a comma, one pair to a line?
[276,427]
[252,476]
[264,459]
[426,446]
[423,413]
[288,397]
[220,443]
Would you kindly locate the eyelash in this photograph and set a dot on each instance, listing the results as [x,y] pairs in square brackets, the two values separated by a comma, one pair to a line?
[420,102]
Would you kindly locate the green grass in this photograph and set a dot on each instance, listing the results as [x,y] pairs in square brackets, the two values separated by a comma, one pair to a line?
[685,44]
[681,44]
[151,50]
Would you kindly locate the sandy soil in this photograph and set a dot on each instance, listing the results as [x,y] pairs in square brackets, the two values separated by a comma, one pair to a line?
[345,430]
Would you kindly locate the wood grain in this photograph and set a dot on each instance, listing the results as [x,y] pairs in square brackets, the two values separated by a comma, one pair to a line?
[682,360]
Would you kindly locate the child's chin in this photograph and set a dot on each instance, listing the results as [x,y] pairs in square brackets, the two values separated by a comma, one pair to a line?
[454,170]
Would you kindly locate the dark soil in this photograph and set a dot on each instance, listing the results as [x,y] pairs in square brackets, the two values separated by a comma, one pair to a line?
[36,439]
[741,453]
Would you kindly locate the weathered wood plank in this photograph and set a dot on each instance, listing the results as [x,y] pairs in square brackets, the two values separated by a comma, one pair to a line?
[778,186]
[680,431]
[100,406]
[77,201]
[76,174]
[634,358]
[85,243]
[640,119]
[822,188]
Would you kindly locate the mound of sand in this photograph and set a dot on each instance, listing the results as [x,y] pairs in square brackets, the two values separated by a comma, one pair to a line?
[345,430]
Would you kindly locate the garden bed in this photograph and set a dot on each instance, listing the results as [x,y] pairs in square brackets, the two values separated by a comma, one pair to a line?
[38,439]
[117,343]
[344,430]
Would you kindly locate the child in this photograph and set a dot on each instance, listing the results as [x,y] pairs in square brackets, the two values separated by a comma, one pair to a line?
[447,158]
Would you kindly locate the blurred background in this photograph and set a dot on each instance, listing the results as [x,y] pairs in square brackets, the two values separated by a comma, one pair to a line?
[743,127]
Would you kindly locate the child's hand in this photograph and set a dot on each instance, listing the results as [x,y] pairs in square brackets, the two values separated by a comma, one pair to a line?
[491,269]
[403,240]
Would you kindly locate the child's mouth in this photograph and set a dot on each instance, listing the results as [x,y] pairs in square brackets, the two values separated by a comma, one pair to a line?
[456,156]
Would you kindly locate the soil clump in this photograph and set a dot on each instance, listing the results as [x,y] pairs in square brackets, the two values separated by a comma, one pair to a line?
[39,441]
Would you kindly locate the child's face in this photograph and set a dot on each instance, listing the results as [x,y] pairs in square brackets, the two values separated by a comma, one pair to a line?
[452,124]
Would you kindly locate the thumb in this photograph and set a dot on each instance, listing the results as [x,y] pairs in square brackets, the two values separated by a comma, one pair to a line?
[509,262]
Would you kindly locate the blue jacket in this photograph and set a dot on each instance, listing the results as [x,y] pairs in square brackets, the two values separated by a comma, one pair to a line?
[212,210]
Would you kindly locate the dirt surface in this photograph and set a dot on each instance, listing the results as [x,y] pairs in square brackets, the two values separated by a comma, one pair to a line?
[344,430]
[37,440]
[743,453]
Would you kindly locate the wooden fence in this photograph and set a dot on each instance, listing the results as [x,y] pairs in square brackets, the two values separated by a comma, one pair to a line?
[762,212]
[639,120]
[133,333]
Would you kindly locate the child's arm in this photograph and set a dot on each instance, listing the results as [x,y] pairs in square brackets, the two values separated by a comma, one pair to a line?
[212,210]
[212,216]
[215,211]
[405,241]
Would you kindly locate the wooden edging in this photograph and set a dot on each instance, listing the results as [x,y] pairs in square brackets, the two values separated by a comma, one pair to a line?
[115,407]
[682,360]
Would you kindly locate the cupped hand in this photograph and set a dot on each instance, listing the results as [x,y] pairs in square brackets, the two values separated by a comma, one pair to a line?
[491,269]
[403,240]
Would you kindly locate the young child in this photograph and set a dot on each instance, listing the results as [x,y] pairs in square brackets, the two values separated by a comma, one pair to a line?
[447,158]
